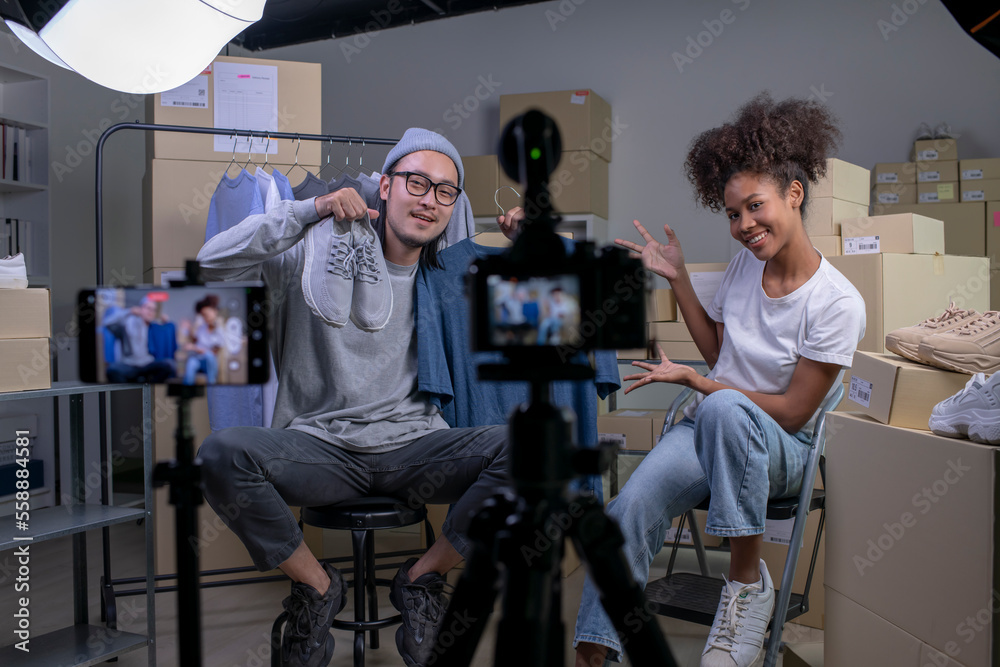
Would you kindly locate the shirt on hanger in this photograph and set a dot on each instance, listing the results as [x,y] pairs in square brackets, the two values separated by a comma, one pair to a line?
[284,187]
[268,189]
[310,187]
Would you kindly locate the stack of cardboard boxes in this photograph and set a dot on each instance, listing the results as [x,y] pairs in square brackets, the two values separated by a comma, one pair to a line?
[25,328]
[579,185]
[841,194]
[932,185]
[911,549]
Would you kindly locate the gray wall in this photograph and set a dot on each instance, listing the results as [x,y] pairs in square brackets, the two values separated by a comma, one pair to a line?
[880,81]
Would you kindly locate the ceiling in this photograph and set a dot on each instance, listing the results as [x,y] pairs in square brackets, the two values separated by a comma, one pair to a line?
[288,22]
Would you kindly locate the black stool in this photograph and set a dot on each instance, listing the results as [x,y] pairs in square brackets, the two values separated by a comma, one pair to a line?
[361,517]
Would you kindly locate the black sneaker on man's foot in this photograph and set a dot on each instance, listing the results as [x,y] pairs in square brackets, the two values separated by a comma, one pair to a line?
[307,641]
[422,604]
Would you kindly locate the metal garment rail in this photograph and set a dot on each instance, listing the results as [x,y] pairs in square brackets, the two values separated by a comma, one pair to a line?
[108,591]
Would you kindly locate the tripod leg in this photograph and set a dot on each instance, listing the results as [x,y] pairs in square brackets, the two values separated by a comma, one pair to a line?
[599,542]
[472,602]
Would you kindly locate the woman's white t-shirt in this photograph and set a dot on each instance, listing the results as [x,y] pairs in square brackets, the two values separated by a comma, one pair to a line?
[764,337]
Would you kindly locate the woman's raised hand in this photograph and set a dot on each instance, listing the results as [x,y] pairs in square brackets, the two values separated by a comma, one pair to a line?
[665,260]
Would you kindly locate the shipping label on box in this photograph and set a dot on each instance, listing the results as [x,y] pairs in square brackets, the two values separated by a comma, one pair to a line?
[940,170]
[982,169]
[895,172]
[934,149]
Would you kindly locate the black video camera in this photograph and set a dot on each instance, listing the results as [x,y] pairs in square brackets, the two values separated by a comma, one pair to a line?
[541,301]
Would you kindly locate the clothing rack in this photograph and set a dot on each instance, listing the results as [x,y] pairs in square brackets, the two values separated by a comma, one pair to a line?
[108,592]
[153,127]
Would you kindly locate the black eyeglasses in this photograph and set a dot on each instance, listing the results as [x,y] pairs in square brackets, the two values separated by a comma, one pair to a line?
[418,185]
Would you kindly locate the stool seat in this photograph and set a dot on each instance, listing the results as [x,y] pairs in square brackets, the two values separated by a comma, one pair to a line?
[369,513]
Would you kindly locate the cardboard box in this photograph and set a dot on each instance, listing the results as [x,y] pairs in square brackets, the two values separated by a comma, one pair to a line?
[26,313]
[855,637]
[894,193]
[660,305]
[982,169]
[894,172]
[635,430]
[675,331]
[583,117]
[300,107]
[898,391]
[934,193]
[829,246]
[578,185]
[498,240]
[843,180]
[775,554]
[481,183]
[902,233]
[984,190]
[635,354]
[676,350]
[890,284]
[902,503]
[934,149]
[24,364]
[937,172]
[823,214]
[963,224]
[705,278]
[176,197]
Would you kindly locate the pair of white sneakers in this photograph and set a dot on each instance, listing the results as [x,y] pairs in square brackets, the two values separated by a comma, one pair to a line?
[974,412]
[13,273]
[345,275]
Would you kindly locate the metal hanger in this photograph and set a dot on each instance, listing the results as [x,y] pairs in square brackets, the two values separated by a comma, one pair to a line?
[236,140]
[266,147]
[250,150]
[296,163]
[493,228]
[327,165]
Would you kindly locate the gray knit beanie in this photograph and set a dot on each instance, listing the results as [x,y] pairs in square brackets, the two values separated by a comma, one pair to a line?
[417,139]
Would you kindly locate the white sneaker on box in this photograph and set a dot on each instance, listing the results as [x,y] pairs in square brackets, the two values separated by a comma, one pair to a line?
[13,274]
[973,412]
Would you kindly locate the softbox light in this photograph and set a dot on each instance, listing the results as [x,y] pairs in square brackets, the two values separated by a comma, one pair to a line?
[135,46]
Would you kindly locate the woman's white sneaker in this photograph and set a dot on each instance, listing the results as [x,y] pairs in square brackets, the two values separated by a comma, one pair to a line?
[737,635]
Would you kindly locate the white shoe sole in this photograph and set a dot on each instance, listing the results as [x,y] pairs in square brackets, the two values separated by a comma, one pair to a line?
[982,426]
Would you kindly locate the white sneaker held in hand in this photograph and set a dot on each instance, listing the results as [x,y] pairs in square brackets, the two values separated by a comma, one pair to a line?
[13,273]
[328,271]
[737,635]
[371,304]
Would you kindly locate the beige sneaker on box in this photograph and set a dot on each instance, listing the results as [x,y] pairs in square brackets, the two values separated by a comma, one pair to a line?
[13,274]
[906,340]
[972,348]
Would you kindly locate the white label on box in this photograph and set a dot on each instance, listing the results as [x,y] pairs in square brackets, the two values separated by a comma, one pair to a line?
[861,391]
[633,413]
[616,439]
[706,284]
[579,97]
[887,177]
[928,154]
[888,198]
[246,98]
[972,175]
[928,197]
[928,176]
[672,535]
[974,195]
[861,245]
[192,95]
[779,531]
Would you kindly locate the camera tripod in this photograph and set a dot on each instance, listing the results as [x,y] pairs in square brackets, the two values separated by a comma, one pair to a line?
[524,531]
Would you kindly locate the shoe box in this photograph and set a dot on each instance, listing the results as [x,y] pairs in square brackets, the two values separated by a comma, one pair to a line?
[894,172]
[984,190]
[823,215]
[900,233]
[925,150]
[897,391]
[842,193]
[25,328]
[828,245]
[964,232]
[902,289]
[938,193]
[631,429]
[481,183]
[911,546]
[937,171]
[894,193]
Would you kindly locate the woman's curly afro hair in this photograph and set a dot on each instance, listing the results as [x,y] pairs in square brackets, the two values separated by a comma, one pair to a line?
[785,141]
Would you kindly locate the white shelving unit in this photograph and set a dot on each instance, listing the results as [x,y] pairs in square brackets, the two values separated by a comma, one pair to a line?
[24,104]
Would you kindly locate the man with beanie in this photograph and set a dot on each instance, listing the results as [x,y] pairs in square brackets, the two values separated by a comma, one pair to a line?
[348,419]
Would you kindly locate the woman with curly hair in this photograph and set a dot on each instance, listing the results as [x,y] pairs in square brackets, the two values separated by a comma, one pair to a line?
[778,335]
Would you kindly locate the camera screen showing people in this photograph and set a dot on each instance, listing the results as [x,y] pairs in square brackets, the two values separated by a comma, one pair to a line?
[188,335]
[533,311]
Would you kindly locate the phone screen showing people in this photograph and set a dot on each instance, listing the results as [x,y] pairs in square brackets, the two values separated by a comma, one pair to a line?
[189,335]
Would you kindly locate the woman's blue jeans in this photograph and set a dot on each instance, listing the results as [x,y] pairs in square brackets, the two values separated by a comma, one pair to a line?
[732,449]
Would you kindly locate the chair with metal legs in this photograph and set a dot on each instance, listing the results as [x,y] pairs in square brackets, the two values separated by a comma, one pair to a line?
[695,597]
